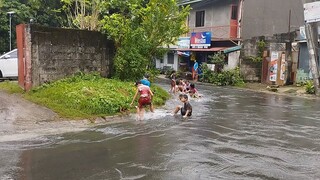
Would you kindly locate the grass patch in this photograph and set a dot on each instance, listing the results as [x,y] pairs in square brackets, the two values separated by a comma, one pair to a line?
[89,96]
[11,87]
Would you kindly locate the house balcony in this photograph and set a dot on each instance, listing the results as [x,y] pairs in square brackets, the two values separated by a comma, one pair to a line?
[218,32]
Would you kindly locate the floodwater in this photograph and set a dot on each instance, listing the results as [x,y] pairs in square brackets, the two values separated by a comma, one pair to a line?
[233,134]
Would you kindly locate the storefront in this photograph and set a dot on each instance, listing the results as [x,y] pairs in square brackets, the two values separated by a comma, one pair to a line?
[199,49]
[196,48]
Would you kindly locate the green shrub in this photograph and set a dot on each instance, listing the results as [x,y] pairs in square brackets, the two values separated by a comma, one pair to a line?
[309,87]
[153,73]
[224,78]
[207,74]
[217,58]
[169,71]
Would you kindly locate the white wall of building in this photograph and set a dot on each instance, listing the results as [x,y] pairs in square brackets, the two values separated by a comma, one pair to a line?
[233,60]
[217,17]
[165,62]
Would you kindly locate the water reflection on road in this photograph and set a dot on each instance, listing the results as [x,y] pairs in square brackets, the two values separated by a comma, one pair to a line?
[233,134]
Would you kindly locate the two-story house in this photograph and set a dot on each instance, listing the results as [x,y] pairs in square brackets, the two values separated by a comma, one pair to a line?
[228,22]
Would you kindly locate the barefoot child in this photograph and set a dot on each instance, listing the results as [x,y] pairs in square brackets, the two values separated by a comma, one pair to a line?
[181,86]
[144,99]
[193,92]
[145,81]
[186,109]
[173,82]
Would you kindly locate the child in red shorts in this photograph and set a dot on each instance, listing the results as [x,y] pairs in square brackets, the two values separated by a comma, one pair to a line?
[144,99]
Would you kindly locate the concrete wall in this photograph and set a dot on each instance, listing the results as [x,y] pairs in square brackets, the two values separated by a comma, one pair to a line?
[278,43]
[251,71]
[233,60]
[56,53]
[217,17]
[268,17]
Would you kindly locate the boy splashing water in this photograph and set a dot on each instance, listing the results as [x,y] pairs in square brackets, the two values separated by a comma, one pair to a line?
[186,109]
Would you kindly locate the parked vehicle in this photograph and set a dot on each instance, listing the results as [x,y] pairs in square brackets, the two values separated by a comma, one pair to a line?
[9,65]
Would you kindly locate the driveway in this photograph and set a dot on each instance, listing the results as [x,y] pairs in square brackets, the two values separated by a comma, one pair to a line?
[22,120]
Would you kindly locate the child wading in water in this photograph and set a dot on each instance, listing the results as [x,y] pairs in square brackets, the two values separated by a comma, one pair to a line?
[193,92]
[144,99]
[173,82]
[186,109]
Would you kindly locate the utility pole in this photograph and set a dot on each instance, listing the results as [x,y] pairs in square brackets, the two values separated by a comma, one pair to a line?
[312,41]
[289,53]
[312,36]
[10,33]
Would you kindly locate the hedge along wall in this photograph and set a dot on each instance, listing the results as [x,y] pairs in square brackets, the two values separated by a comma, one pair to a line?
[55,53]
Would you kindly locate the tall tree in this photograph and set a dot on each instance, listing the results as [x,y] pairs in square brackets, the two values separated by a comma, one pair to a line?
[21,12]
[44,12]
[83,14]
[47,12]
[140,28]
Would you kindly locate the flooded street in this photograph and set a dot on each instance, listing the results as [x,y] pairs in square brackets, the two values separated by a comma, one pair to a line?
[233,134]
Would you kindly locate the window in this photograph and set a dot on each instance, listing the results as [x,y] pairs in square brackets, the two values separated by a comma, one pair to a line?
[234,12]
[10,55]
[199,18]
[170,58]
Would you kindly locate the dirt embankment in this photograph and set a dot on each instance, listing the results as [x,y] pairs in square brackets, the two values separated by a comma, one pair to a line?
[291,90]
[19,114]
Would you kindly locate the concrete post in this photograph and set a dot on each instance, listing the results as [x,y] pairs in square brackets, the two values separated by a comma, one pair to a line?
[312,41]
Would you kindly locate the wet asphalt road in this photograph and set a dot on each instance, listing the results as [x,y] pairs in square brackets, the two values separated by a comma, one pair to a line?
[233,134]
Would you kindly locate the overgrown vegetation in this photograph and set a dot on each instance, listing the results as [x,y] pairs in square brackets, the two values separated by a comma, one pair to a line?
[83,14]
[88,95]
[218,59]
[224,78]
[139,28]
[309,87]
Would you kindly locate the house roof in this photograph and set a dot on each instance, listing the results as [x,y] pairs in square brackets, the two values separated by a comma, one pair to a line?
[198,3]
[184,2]
[232,49]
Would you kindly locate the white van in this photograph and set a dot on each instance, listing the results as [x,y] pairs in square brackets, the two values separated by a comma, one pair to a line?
[9,65]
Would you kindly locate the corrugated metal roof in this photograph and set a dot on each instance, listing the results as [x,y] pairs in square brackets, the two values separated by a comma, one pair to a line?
[232,49]
[184,2]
